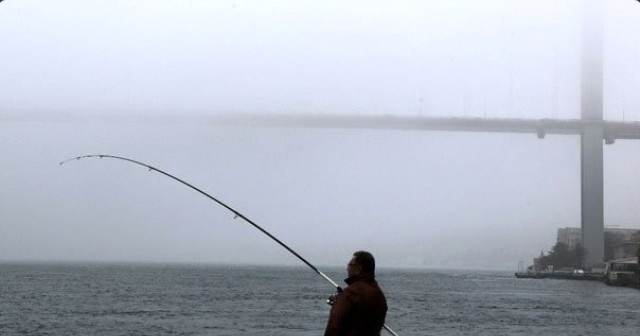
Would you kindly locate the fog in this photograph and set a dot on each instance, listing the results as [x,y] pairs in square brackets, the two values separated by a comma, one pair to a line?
[143,80]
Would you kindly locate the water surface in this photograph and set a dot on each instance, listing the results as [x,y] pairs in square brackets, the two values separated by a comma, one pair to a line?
[77,299]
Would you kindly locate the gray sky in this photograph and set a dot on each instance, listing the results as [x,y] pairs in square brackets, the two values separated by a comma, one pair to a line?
[84,77]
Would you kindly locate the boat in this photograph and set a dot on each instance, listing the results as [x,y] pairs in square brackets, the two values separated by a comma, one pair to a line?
[622,272]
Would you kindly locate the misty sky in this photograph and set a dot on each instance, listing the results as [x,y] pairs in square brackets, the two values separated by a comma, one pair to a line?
[139,78]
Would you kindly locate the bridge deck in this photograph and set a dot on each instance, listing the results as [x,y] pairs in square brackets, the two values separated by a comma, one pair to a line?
[612,129]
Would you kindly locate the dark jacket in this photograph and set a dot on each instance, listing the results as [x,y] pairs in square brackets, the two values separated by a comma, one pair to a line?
[359,310]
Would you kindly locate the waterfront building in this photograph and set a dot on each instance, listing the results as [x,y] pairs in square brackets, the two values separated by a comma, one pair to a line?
[625,244]
[626,250]
[570,236]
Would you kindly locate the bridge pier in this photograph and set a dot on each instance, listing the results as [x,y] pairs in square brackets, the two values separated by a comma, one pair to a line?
[592,195]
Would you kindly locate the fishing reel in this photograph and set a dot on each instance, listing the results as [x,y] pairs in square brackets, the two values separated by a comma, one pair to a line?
[332,299]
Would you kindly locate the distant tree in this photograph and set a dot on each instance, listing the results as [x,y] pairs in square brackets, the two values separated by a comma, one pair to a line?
[561,256]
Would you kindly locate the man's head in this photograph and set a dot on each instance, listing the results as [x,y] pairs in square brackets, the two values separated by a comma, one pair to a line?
[362,262]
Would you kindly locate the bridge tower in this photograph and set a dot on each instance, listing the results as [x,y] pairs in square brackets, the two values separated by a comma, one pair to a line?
[592,191]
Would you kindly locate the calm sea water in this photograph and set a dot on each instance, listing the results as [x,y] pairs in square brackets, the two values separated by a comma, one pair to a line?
[59,299]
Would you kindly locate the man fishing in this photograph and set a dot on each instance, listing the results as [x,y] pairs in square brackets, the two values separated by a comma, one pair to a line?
[362,307]
[359,309]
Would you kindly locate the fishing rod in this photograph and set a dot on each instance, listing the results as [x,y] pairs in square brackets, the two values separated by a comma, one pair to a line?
[234,211]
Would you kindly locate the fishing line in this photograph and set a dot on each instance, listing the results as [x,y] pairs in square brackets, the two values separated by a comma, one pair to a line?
[235,212]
